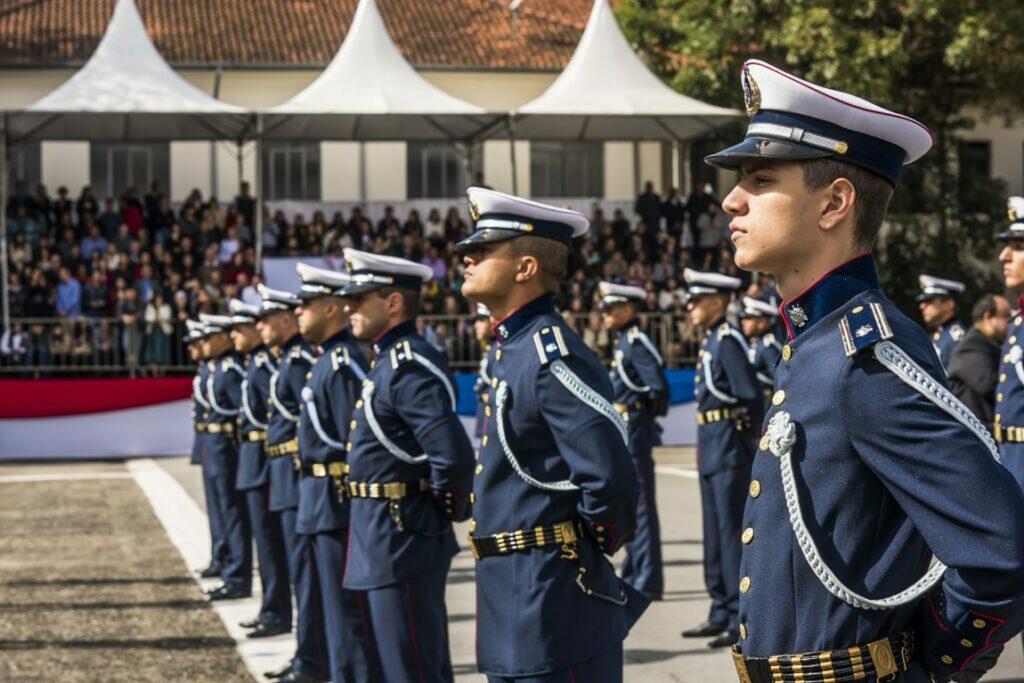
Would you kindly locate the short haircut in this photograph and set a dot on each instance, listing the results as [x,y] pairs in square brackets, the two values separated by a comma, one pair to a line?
[986,305]
[410,299]
[552,257]
[873,195]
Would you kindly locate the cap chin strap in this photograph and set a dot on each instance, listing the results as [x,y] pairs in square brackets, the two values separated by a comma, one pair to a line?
[799,135]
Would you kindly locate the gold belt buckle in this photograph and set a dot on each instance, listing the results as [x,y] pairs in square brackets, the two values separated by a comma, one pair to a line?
[882,657]
[319,469]
[472,546]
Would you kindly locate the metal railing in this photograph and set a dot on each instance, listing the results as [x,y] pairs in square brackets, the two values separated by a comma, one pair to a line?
[38,347]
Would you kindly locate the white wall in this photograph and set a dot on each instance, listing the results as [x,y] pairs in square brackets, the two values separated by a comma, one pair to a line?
[65,163]
[618,170]
[339,171]
[190,168]
[385,171]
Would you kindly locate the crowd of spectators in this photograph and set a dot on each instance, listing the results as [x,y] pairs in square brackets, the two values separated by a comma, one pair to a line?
[123,274]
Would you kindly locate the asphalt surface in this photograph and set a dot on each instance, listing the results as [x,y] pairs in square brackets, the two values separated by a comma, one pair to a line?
[654,651]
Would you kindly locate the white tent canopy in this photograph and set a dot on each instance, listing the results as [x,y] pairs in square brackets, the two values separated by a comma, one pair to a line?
[607,93]
[370,92]
[126,91]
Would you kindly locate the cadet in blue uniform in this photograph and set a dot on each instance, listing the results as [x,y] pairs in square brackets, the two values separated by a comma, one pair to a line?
[220,457]
[641,396]
[200,414]
[938,310]
[330,395]
[555,488]
[1009,427]
[484,334]
[868,465]
[253,480]
[279,329]
[759,319]
[728,410]
[410,472]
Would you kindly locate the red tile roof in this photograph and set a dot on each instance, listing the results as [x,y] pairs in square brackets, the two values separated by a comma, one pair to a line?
[464,34]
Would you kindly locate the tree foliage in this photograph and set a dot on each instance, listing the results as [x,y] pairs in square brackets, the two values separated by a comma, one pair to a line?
[947,63]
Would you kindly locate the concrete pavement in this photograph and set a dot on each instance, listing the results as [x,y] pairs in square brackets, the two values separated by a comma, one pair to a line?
[654,651]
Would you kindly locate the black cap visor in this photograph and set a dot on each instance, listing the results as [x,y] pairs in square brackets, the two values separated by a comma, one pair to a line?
[766,149]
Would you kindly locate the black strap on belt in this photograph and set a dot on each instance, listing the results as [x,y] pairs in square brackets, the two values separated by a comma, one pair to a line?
[509,542]
[881,660]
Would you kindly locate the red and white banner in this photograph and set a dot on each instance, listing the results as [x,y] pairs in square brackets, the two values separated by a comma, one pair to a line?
[119,418]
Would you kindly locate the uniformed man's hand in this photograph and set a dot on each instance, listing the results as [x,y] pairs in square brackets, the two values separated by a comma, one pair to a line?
[979,666]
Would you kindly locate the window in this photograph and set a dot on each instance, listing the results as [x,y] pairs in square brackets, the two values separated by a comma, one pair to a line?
[291,170]
[566,169]
[24,166]
[113,168]
[437,170]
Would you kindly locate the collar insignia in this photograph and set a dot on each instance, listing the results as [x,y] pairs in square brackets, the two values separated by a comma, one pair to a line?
[798,316]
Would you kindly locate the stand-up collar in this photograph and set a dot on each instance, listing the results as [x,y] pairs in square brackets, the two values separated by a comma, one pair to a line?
[521,317]
[828,293]
[336,340]
[388,339]
[633,322]
[293,341]
[949,323]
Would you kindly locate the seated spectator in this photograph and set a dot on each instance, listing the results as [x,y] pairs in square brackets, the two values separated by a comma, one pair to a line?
[434,226]
[109,219]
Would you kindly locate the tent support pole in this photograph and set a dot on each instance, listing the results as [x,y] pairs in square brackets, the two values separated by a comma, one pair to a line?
[259,191]
[512,155]
[467,162]
[239,157]
[3,221]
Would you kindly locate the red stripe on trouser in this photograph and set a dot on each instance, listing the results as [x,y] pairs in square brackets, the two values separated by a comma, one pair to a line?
[412,628]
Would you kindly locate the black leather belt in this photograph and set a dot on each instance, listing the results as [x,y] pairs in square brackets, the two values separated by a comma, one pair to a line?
[509,542]
[320,469]
[882,660]
[392,490]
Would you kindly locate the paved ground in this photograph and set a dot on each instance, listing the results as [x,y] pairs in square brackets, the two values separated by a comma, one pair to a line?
[91,588]
[654,650]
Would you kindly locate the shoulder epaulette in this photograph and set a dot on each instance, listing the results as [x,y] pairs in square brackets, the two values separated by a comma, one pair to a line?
[340,357]
[260,359]
[769,339]
[957,331]
[723,330]
[211,365]
[401,353]
[295,352]
[550,344]
[862,327]
[227,364]
[633,334]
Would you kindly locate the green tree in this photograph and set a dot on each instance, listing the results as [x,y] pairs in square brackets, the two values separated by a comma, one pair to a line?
[944,62]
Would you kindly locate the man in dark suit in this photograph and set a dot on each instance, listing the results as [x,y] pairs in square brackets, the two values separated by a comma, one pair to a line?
[974,364]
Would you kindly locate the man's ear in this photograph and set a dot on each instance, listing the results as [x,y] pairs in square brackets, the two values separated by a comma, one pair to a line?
[527,268]
[840,198]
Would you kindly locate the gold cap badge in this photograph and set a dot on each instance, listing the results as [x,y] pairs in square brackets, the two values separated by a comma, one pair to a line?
[474,211]
[751,93]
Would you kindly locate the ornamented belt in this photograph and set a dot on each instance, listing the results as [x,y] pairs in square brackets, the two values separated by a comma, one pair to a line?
[882,659]
[1008,434]
[720,415]
[394,490]
[284,448]
[220,428]
[255,435]
[624,409]
[508,542]
[320,469]
[200,427]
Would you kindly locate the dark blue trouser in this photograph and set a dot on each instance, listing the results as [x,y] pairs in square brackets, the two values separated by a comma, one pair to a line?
[604,668]
[218,544]
[236,567]
[276,607]
[410,628]
[642,567]
[310,651]
[722,496]
[346,634]
[1011,455]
